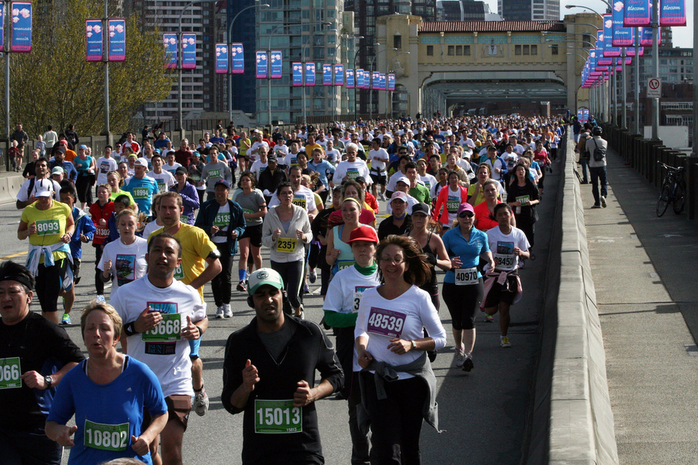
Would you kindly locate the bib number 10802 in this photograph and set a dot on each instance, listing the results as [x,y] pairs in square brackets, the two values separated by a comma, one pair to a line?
[106,437]
[277,417]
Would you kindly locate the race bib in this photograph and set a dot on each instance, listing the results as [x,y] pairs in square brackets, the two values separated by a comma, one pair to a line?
[195,177]
[277,417]
[168,330]
[504,258]
[214,173]
[222,220]
[385,322]
[184,219]
[300,201]
[352,173]
[247,210]
[141,193]
[466,276]
[106,437]
[179,273]
[125,268]
[162,187]
[286,245]
[341,264]
[10,372]
[47,227]
[524,199]
[102,232]
[452,204]
[358,294]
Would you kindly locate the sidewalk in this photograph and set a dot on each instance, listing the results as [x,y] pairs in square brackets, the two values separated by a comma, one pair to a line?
[647,298]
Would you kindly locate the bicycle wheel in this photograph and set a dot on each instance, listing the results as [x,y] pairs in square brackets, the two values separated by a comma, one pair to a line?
[664,198]
[679,200]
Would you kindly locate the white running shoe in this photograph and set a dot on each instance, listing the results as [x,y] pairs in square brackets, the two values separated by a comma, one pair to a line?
[227,311]
[459,357]
[220,313]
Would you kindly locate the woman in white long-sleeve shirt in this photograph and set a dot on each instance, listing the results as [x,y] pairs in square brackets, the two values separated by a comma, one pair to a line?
[398,387]
[286,228]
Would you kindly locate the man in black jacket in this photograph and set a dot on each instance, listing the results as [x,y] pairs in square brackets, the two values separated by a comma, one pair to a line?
[269,373]
[271,177]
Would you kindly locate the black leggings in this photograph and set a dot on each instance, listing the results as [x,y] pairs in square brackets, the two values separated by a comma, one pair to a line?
[99,284]
[222,282]
[293,274]
[49,282]
[462,303]
[84,187]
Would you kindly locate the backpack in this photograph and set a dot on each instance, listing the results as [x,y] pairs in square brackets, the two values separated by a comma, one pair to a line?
[599,152]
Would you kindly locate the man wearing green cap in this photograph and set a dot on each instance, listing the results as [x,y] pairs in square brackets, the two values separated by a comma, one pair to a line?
[269,373]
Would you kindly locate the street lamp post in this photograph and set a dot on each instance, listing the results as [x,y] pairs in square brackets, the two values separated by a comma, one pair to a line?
[229,40]
[370,91]
[105,57]
[305,108]
[356,55]
[389,101]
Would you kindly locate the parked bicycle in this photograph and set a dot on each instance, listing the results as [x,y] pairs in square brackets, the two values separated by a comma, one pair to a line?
[673,190]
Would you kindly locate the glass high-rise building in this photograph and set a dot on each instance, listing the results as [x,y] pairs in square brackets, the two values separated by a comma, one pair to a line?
[529,10]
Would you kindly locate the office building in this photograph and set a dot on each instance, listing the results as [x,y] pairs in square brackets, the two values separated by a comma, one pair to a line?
[529,10]
[461,10]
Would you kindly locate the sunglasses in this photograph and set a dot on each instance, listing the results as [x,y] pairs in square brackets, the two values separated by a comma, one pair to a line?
[466,215]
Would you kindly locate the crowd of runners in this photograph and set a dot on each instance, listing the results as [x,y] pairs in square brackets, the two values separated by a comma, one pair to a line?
[458,195]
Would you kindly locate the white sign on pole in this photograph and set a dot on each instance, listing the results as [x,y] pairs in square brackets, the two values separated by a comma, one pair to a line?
[654,88]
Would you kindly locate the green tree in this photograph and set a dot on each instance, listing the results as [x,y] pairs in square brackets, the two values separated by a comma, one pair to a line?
[54,84]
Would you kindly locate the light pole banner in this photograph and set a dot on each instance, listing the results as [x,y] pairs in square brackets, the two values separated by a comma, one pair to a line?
[391,82]
[310,74]
[636,13]
[238,58]
[326,74]
[350,79]
[276,64]
[297,74]
[2,26]
[608,49]
[221,58]
[21,27]
[359,78]
[261,64]
[646,37]
[94,33]
[338,75]
[376,81]
[117,40]
[170,43]
[188,50]
[672,13]
[630,51]
[382,81]
[622,36]
[600,45]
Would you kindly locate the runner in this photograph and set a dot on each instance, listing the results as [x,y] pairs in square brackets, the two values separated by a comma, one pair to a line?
[141,187]
[254,207]
[123,260]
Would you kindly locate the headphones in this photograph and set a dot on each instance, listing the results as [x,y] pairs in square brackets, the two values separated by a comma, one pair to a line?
[284,299]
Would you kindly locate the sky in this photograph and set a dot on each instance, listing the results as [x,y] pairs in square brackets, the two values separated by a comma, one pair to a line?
[682,36]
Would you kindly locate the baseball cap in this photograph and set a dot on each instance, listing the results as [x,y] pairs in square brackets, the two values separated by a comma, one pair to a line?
[399,195]
[57,170]
[43,193]
[142,162]
[58,148]
[403,179]
[272,157]
[181,170]
[222,182]
[422,208]
[360,180]
[264,276]
[363,233]
[464,207]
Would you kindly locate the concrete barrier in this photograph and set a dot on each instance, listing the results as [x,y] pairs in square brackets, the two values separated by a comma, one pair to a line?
[572,421]
[9,187]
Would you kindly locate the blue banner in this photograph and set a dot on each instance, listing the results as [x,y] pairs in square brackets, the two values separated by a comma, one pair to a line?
[21,27]
[672,13]
[608,49]
[338,75]
[237,58]
[622,36]
[277,64]
[261,64]
[297,74]
[310,74]
[117,40]
[350,78]
[636,13]
[188,50]
[376,81]
[359,78]
[391,82]
[381,81]
[646,37]
[326,75]
[221,58]
[2,27]
[95,35]
[170,43]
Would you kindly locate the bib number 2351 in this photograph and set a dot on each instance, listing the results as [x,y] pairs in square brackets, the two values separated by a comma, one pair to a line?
[277,417]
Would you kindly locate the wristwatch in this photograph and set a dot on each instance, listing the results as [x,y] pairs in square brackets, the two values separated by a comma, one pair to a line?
[414,345]
[49,381]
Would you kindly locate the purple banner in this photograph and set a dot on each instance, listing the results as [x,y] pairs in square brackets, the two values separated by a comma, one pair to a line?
[608,49]
[21,27]
[169,41]
[221,58]
[636,13]
[117,40]
[338,75]
[672,13]
[391,82]
[622,36]
[297,74]
[2,26]
[277,64]
[350,78]
[261,64]
[238,58]
[326,75]
[188,50]
[94,34]
[310,74]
